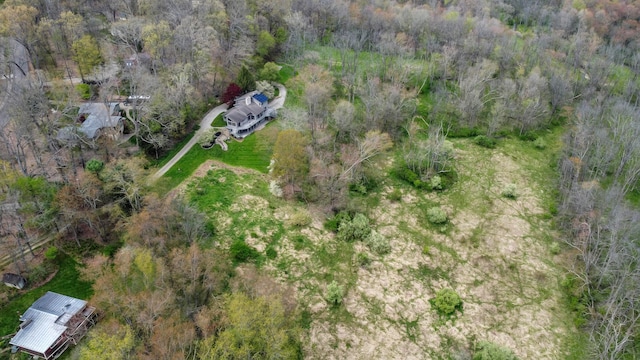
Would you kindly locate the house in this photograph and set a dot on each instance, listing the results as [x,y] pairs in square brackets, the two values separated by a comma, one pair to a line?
[101,119]
[248,113]
[137,59]
[14,280]
[52,323]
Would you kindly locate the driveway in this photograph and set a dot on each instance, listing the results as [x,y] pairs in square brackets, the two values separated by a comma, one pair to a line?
[205,125]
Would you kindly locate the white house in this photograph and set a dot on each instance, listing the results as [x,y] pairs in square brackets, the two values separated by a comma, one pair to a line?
[248,113]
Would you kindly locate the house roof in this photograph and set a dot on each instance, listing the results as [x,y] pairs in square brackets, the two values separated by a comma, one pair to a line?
[98,117]
[241,112]
[262,98]
[14,279]
[44,322]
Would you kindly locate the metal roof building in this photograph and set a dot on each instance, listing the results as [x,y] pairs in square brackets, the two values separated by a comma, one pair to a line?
[51,323]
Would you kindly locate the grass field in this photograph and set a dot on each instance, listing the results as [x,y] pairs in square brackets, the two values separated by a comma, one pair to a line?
[254,152]
[66,282]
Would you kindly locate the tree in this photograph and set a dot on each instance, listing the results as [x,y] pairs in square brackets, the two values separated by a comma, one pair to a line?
[245,80]
[290,161]
[256,328]
[95,166]
[109,341]
[86,53]
[265,88]
[232,92]
[265,44]
[270,71]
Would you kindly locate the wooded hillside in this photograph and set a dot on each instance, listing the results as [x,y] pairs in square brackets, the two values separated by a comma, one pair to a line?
[465,173]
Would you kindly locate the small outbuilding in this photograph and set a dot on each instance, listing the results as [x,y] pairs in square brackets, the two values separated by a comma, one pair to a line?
[52,323]
[14,281]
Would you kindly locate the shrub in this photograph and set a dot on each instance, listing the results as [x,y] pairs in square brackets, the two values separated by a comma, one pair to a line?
[540,144]
[447,302]
[395,195]
[95,166]
[335,293]
[436,183]
[38,274]
[84,90]
[485,141]
[271,253]
[242,252]
[333,223]
[555,248]
[378,243]
[356,229]
[486,350]
[51,253]
[510,191]
[363,259]
[300,218]
[436,215]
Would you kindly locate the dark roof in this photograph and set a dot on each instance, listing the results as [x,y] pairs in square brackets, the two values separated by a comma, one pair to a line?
[261,98]
[241,112]
[14,279]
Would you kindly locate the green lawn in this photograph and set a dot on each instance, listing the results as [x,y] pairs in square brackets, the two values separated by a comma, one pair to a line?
[254,152]
[218,122]
[65,282]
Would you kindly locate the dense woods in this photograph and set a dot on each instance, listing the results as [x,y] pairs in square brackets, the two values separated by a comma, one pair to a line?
[403,77]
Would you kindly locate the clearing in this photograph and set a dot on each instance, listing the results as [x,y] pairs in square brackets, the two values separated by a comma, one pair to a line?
[494,252]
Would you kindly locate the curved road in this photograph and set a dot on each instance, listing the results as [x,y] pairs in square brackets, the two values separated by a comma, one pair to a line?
[205,124]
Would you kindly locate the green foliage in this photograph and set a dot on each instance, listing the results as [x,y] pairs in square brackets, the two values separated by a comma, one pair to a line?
[51,253]
[266,42]
[510,191]
[354,230]
[447,302]
[86,53]
[436,215]
[395,195]
[436,183]
[378,243]
[486,350]
[554,248]
[269,71]
[271,253]
[257,328]
[84,90]
[333,223]
[109,341]
[335,293]
[245,80]
[242,252]
[485,141]
[300,218]
[95,166]
[540,144]
[363,259]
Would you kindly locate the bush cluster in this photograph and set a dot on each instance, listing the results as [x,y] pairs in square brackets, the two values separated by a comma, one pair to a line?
[335,293]
[510,191]
[436,215]
[485,141]
[486,350]
[447,302]
[378,243]
[356,229]
[242,252]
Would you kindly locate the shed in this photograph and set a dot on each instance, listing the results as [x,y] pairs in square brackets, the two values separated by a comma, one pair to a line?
[14,280]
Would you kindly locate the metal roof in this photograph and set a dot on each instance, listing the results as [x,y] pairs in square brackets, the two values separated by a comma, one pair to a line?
[44,322]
